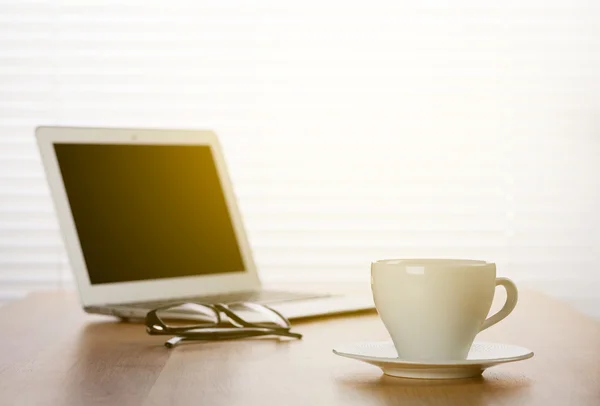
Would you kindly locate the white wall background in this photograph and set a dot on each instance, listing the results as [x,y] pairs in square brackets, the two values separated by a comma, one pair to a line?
[354,130]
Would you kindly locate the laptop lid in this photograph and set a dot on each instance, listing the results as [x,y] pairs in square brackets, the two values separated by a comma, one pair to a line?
[146,214]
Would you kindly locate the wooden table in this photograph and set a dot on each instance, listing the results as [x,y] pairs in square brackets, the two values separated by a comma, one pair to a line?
[51,353]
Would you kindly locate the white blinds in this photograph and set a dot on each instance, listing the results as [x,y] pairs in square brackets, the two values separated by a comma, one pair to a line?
[353,130]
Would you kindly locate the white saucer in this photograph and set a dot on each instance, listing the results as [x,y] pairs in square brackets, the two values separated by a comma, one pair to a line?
[481,356]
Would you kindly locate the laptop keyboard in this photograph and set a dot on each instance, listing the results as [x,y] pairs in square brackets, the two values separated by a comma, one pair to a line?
[259,296]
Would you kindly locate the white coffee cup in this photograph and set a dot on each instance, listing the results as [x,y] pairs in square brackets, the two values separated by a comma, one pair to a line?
[434,308]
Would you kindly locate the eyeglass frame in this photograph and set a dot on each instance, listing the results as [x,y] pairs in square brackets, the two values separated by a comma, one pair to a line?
[241,328]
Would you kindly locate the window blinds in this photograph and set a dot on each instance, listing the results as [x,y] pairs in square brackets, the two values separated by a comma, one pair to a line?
[353,131]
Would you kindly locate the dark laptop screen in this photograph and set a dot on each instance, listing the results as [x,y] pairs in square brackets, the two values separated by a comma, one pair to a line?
[148,211]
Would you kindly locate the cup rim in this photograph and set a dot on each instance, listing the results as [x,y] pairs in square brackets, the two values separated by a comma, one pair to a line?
[441,262]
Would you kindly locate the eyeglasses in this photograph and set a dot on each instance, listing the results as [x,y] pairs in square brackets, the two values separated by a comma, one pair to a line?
[207,322]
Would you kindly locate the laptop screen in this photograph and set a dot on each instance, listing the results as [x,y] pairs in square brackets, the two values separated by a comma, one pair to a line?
[147,212]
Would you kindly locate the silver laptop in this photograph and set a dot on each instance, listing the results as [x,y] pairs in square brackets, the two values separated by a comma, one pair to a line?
[149,217]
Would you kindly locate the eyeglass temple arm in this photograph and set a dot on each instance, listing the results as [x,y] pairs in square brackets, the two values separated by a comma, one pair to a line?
[238,331]
[172,342]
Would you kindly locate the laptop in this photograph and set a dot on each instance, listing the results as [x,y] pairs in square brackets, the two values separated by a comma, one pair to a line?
[149,218]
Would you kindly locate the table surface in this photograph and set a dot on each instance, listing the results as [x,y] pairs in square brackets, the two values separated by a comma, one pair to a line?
[52,353]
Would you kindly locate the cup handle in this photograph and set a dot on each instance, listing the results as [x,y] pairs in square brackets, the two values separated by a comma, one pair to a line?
[512,295]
